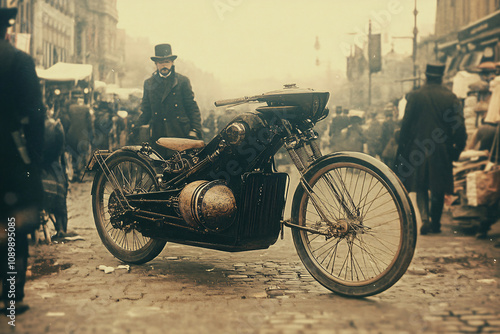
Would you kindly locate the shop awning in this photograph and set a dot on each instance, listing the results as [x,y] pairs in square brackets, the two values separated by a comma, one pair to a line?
[487,27]
[66,72]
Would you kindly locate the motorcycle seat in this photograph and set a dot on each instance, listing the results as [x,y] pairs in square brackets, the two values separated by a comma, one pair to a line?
[180,144]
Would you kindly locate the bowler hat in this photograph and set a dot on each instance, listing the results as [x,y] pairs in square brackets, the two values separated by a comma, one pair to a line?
[163,52]
[6,15]
[434,70]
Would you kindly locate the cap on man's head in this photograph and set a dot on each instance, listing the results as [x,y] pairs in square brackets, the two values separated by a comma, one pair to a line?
[7,16]
[434,70]
[163,52]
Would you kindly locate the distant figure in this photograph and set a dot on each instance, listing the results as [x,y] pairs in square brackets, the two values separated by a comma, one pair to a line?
[102,125]
[54,178]
[387,139]
[168,104]
[21,143]
[209,125]
[432,137]
[339,122]
[353,138]
[374,136]
[79,137]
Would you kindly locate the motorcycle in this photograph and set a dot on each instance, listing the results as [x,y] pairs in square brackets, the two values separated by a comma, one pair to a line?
[352,222]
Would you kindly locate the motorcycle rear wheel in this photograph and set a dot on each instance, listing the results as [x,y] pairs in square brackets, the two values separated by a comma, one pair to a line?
[377,248]
[134,176]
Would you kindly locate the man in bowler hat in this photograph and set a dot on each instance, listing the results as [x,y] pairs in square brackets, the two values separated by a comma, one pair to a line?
[168,104]
[21,193]
[432,137]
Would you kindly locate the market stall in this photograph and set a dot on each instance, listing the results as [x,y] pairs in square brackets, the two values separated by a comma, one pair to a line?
[63,80]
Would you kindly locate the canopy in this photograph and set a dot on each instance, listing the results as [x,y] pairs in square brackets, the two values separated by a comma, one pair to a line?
[65,72]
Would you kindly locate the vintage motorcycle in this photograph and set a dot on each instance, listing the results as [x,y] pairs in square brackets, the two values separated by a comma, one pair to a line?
[352,222]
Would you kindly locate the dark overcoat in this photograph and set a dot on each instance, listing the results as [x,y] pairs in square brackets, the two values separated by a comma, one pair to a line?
[432,137]
[168,106]
[21,111]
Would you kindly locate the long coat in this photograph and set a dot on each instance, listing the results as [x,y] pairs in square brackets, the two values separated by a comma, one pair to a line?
[432,137]
[21,111]
[168,106]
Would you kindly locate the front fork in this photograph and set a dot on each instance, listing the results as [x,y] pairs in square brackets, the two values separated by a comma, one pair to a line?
[304,149]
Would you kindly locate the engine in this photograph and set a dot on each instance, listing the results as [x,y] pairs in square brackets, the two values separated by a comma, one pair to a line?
[208,204]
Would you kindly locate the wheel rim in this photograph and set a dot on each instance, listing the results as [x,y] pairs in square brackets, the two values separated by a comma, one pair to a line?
[134,179]
[372,243]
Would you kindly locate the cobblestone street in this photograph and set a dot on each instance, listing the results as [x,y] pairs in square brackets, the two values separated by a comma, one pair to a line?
[78,287]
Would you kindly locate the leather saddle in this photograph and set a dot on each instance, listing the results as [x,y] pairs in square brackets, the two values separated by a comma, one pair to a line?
[180,144]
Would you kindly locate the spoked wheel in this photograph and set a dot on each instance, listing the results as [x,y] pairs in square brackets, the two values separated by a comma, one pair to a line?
[122,238]
[366,230]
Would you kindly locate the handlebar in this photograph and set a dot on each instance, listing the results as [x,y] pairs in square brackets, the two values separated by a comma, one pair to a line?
[236,101]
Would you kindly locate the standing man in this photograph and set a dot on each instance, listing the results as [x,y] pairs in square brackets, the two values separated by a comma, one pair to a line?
[168,103]
[21,145]
[432,137]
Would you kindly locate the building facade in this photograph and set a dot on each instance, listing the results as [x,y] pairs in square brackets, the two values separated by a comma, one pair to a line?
[467,33]
[97,40]
[53,31]
[72,31]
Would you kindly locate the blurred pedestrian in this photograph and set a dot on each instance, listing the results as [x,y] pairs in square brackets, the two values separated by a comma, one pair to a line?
[54,178]
[21,133]
[209,125]
[373,136]
[432,137]
[388,140]
[339,122]
[168,104]
[352,137]
[79,136]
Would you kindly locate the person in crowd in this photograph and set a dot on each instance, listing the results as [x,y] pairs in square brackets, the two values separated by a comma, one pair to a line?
[339,122]
[21,192]
[432,137]
[373,135]
[387,139]
[79,136]
[168,103]
[102,124]
[209,125]
[353,137]
[54,178]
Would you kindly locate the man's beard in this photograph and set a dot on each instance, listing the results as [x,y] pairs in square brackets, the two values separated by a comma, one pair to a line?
[164,71]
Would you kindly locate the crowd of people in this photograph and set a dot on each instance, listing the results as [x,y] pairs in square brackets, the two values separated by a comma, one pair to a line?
[370,132]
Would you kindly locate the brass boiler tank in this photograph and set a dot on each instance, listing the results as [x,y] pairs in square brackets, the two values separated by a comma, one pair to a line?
[208,204]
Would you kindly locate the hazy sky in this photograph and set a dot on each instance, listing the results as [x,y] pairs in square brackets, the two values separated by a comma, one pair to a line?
[258,39]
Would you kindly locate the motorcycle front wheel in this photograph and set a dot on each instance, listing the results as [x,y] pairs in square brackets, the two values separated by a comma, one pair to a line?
[377,240]
[124,241]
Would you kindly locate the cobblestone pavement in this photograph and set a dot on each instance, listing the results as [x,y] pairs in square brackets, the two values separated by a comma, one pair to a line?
[451,287]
